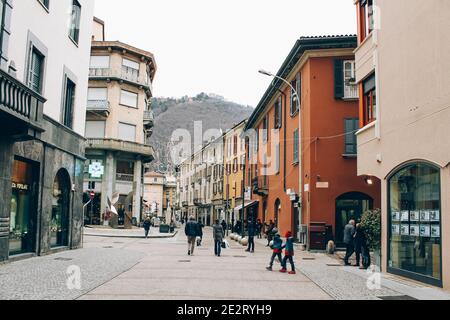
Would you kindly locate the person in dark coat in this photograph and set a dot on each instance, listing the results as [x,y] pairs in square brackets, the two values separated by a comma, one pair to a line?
[191,231]
[259,229]
[349,233]
[200,226]
[270,233]
[361,248]
[146,226]
[218,235]
[251,237]
[224,226]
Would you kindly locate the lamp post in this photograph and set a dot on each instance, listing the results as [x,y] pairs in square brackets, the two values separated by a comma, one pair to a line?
[270,74]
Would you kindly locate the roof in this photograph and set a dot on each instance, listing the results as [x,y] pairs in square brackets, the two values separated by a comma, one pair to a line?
[301,46]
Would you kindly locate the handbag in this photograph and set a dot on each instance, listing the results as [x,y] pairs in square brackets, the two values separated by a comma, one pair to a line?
[223,245]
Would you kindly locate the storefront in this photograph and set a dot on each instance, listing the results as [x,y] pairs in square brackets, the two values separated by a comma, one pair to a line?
[22,227]
[414,233]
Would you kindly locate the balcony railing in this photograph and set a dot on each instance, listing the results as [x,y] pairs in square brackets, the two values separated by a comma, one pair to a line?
[125,73]
[145,151]
[20,104]
[351,91]
[98,105]
[261,185]
[124,177]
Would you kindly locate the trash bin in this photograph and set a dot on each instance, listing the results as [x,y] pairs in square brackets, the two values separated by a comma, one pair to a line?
[164,228]
[317,235]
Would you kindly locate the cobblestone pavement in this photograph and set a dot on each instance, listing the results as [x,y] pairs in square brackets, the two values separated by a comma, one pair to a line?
[123,233]
[44,278]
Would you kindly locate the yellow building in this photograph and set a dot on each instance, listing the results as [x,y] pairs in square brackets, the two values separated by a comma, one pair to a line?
[234,162]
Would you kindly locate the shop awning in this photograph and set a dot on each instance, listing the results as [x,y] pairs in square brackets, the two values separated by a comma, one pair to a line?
[246,205]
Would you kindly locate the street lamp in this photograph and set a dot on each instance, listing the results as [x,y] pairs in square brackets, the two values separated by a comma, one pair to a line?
[270,74]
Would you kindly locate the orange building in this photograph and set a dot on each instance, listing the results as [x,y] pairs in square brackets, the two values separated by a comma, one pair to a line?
[301,165]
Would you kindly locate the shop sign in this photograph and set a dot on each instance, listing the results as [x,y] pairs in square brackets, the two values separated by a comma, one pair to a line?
[96,169]
[20,186]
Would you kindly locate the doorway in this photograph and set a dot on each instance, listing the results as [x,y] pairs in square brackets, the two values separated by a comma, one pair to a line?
[59,225]
[350,206]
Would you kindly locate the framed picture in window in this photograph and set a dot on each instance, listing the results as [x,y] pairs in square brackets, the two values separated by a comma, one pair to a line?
[404,216]
[414,230]
[424,216]
[414,216]
[395,215]
[404,230]
[395,229]
[435,216]
[435,231]
[425,230]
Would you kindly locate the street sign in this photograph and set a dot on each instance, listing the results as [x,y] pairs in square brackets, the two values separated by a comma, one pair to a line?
[96,169]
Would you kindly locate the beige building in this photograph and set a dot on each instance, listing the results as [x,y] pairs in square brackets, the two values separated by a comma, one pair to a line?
[119,122]
[169,198]
[402,67]
[154,193]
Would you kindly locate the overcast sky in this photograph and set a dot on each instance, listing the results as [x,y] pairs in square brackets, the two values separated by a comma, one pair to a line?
[218,46]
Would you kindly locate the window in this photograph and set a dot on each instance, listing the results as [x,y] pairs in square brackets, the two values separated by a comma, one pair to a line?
[414,217]
[366,13]
[296,101]
[99,62]
[266,129]
[2,10]
[278,113]
[242,164]
[127,132]
[351,126]
[74,30]
[69,100]
[95,129]
[36,70]
[130,64]
[370,100]
[235,145]
[97,94]
[129,99]
[350,87]
[296,147]
[277,160]
[235,165]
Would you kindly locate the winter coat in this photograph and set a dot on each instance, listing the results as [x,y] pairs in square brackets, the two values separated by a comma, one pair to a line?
[349,232]
[224,226]
[289,247]
[251,230]
[277,244]
[147,224]
[200,229]
[191,229]
[218,232]
[360,240]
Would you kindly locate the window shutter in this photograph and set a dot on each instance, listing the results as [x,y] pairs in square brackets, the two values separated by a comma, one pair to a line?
[338,79]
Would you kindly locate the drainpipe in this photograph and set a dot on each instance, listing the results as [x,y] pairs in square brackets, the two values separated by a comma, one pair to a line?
[285,137]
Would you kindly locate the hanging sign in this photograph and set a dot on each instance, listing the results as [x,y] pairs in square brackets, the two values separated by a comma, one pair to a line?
[96,170]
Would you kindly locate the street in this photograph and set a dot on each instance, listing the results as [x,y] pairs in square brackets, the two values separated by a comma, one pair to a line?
[160,269]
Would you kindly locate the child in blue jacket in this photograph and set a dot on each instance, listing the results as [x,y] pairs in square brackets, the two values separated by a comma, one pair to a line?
[288,253]
[277,247]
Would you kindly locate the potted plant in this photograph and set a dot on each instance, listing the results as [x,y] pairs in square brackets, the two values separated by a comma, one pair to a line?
[371,222]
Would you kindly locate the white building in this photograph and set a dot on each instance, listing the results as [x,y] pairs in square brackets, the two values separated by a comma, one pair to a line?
[45,50]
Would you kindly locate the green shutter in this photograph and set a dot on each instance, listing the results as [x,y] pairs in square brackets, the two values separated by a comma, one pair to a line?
[338,78]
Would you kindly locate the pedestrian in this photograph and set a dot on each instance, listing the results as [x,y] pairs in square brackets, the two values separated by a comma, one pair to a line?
[237,227]
[200,226]
[146,226]
[361,248]
[277,247]
[172,226]
[259,227]
[288,254]
[270,232]
[218,235]
[191,231]
[224,226]
[251,237]
[349,232]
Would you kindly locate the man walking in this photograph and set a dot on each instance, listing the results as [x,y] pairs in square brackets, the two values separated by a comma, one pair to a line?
[349,233]
[224,226]
[191,231]
[146,225]
[251,237]
[218,235]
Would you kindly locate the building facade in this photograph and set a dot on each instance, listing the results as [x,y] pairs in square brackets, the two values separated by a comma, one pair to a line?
[404,114]
[118,124]
[43,89]
[301,160]
[154,193]
[169,198]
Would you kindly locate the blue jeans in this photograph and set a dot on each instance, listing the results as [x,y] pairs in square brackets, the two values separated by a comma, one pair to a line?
[217,247]
[146,232]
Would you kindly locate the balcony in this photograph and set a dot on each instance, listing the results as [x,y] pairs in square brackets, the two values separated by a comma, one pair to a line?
[261,185]
[185,204]
[124,177]
[21,109]
[146,152]
[148,119]
[125,74]
[351,91]
[99,107]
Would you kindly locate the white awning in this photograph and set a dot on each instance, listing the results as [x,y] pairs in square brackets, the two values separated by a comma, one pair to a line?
[246,205]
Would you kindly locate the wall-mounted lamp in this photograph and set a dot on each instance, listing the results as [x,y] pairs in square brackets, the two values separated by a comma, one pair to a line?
[369,181]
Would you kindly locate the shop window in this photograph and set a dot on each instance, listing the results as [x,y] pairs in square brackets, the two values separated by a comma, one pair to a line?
[59,225]
[415,223]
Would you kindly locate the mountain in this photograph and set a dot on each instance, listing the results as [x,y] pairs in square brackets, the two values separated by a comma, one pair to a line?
[171,113]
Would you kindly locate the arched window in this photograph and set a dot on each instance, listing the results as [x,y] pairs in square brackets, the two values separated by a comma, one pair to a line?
[414,215]
[59,224]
